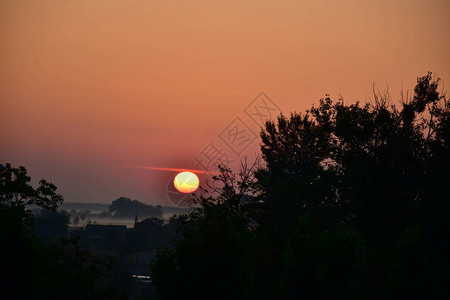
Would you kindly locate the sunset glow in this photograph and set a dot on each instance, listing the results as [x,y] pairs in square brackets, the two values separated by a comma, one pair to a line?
[86,86]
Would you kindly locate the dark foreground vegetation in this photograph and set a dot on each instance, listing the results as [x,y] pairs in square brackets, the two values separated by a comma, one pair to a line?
[348,202]
[43,258]
[351,202]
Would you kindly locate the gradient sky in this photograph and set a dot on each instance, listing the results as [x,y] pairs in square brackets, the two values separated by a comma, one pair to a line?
[89,89]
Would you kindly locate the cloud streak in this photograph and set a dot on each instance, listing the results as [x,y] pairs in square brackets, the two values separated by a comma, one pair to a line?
[170,169]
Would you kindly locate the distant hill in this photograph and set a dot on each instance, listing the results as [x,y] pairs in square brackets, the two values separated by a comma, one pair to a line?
[98,208]
[82,206]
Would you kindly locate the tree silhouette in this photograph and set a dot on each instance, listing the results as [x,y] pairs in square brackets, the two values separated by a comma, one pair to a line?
[33,270]
[212,258]
[127,208]
[17,191]
[352,202]
[370,168]
[16,234]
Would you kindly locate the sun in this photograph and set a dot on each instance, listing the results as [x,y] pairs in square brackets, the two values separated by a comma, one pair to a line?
[186,182]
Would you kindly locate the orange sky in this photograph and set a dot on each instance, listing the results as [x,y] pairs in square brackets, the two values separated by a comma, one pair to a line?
[88,88]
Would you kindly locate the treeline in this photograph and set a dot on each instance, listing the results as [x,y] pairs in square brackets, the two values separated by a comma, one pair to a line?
[349,202]
[121,208]
[126,208]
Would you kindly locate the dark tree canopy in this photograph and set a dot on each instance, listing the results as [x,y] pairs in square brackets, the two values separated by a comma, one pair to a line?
[351,202]
[15,190]
[127,208]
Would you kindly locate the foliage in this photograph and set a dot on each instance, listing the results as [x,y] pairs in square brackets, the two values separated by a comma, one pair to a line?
[213,254]
[15,190]
[352,202]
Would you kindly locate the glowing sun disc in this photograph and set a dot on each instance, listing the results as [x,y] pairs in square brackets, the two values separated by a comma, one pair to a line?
[186,182]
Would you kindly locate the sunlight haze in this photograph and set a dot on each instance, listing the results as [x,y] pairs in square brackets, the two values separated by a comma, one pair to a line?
[87,87]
